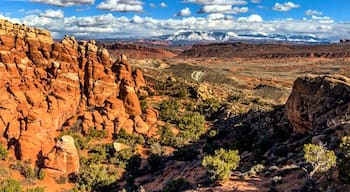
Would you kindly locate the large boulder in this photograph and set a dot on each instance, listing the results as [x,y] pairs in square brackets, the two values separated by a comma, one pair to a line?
[64,156]
[318,101]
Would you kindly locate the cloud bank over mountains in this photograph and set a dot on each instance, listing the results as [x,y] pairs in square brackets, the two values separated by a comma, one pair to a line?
[214,15]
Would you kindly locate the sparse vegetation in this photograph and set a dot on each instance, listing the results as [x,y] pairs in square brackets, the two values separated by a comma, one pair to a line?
[96,134]
[167,135]
[319,157]
[344,161]
[96,178]
[210,107]
[41,174]
[128,139]
[169,110]
[191,126]
[36,189]
[221,163]
[61,179]
[10,185]
[3,152]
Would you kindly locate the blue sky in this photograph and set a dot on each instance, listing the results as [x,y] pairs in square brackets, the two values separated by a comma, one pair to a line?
[142,18]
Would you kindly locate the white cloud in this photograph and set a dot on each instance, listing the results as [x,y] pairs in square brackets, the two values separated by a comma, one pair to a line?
[29,12]
[121,5]
[109,26]
[216,16]
[152,5]
[13,20]
[220,6]
[251,18]
[65,3]
[287,6]
[310,12]
[223,9]
[255,1]
[163,4]
[324,19]
[53,13]
[184,12]
[217,2]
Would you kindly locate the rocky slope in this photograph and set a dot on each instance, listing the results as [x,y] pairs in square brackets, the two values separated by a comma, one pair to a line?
[136,51]
[268,51]
[51,86]
[316,111]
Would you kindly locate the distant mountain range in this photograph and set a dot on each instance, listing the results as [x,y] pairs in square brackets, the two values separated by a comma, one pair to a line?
[190,37]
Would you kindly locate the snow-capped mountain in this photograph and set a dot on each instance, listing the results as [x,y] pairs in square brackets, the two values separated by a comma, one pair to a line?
[195,36]
[198,36]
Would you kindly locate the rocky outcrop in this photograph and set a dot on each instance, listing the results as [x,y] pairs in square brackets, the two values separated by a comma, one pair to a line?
[64,156]
[318,101]
[137,51]
[267,51]
[49,86]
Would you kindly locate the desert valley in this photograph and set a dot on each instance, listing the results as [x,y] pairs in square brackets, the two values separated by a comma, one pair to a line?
[98,115]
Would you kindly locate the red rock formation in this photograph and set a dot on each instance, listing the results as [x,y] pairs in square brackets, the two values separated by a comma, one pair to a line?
[151,116]
[139,80]
[47,86]
[64,156]
[316,101]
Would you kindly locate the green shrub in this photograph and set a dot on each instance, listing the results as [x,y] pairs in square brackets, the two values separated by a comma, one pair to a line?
[97,154]
[319,157]
[3,152]
[96,178]
[344,162]
[169,110]
[61,179]
[177,185]
[10,185]
[167,137]
[97,134]
[156,149]
[221,163]
[81,142]
[36,189]
[129,139]
[209,107]
[182,92]
[143,105]
[192,126]
[27,171]
[122,157]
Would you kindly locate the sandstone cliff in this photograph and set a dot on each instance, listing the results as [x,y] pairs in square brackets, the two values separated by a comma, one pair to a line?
[318,102]
[48,86]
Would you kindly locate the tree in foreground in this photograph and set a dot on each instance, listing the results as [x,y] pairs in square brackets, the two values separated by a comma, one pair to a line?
[319,157]
[221,164]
